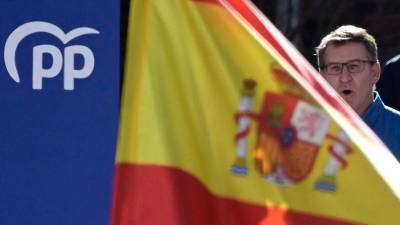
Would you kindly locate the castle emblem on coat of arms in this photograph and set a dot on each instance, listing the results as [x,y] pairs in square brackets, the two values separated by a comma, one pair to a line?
[290,133]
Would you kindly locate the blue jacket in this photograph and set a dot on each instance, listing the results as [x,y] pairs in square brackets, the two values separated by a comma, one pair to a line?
[385,122]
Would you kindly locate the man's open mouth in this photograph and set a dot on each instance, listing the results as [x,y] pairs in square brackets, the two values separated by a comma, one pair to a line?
[347,92]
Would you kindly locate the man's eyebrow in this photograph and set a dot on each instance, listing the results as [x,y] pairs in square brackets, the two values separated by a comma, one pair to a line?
[351,60]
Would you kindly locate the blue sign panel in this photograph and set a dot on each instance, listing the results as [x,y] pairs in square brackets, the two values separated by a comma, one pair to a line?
[59,108]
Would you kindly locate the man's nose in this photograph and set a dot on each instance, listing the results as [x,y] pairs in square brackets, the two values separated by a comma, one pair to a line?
[345,76]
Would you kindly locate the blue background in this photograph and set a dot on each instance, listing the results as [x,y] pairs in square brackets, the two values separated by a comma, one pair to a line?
[57,147]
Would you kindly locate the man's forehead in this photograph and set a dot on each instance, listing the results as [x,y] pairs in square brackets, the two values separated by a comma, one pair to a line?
[344,52]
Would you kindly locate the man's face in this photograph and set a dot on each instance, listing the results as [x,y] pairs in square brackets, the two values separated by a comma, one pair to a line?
[354,86]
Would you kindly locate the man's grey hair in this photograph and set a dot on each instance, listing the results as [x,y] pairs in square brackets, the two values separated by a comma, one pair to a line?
[346,34]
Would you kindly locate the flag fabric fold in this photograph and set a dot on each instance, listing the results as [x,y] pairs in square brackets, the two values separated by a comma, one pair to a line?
[223,122]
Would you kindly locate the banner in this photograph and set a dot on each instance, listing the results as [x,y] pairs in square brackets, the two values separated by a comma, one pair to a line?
[223,122]
[59,97]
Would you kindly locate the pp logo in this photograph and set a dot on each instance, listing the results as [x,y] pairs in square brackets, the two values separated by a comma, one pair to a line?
[60,59]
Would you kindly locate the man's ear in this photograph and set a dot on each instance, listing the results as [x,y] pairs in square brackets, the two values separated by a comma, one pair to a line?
[376,69]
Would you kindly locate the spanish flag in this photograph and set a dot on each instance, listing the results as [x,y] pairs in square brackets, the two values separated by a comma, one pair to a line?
[223,122]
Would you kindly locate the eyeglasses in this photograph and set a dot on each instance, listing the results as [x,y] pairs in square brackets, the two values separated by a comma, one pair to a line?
[353,66]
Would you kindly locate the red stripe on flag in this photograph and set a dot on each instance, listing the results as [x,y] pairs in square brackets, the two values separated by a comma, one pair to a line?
[153,195]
